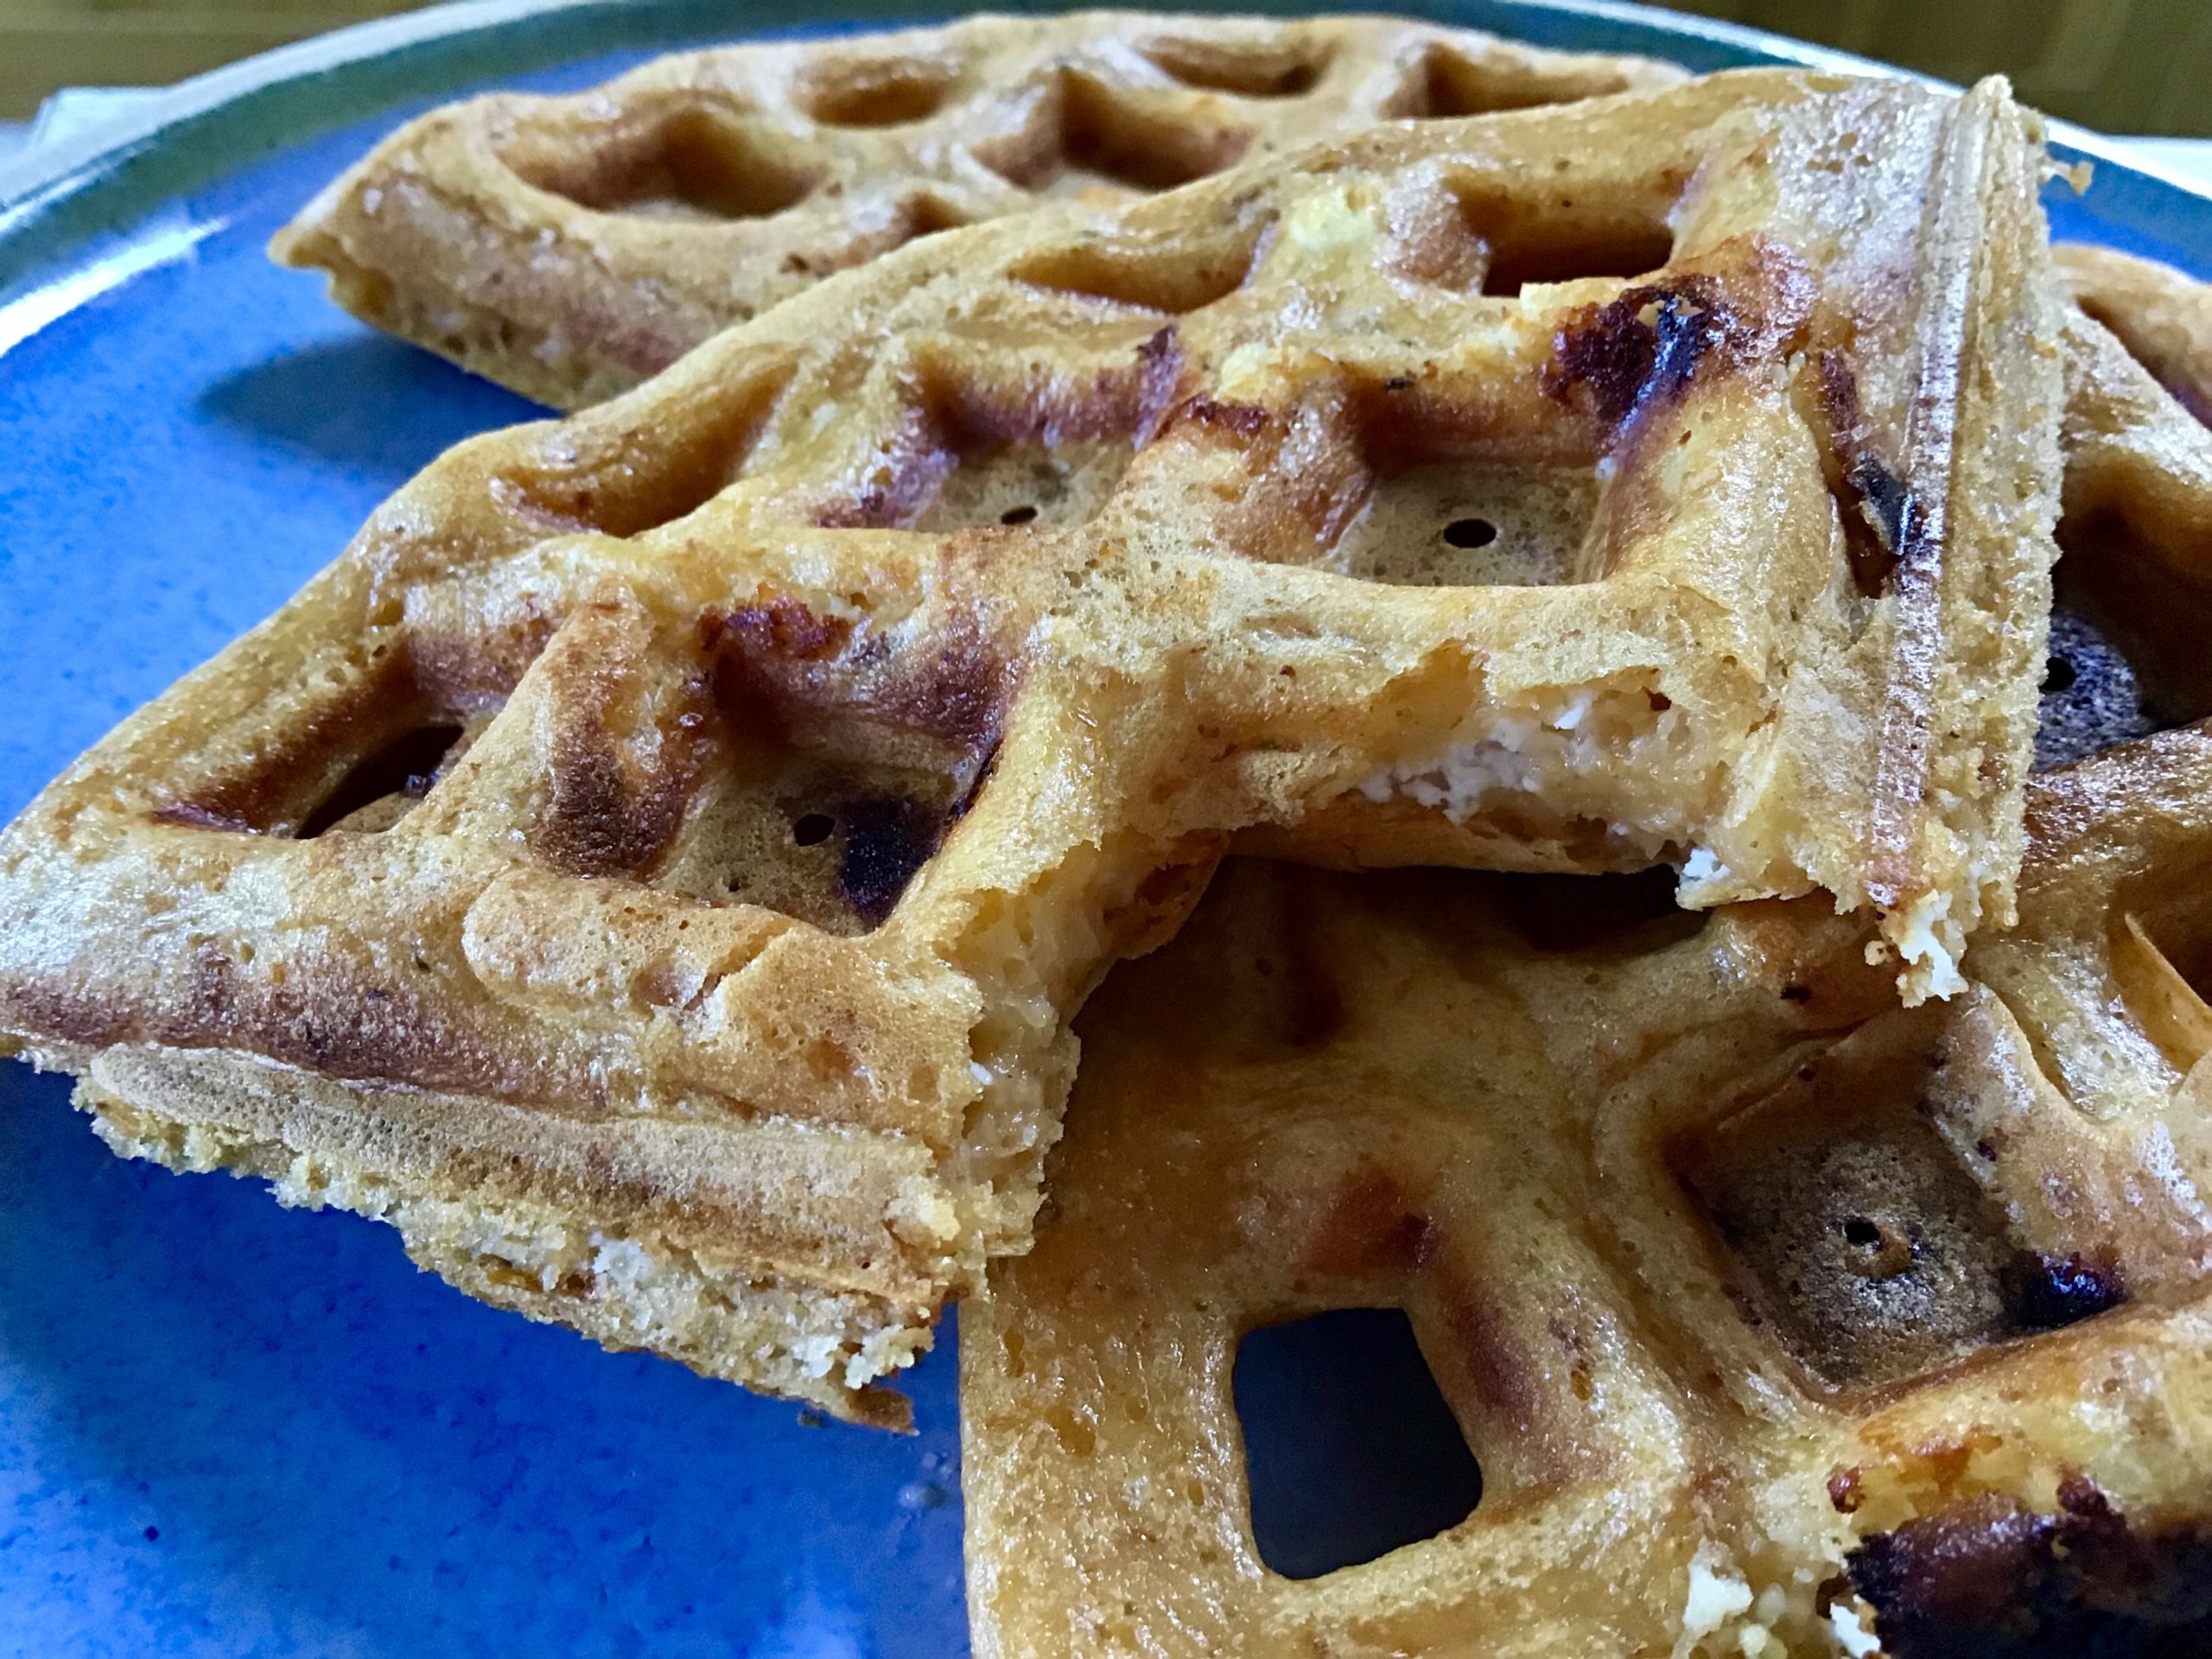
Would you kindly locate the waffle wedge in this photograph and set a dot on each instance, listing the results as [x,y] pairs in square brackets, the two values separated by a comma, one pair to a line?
[655,865]
[569,247]
[1783,1321]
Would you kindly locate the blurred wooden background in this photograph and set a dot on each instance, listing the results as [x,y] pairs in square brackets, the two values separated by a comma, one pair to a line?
[2125,65]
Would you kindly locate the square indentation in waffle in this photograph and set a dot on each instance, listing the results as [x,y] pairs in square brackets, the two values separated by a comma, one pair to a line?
[569,246]
[813,796]
[1870,1241]
[1457,1096]
[2135,591]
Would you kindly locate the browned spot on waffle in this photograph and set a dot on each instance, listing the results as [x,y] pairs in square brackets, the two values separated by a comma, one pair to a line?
[1990,1577]
[1877,512]
[1867,1240]
[1644,350]
[1506,1380]
[1371,1230]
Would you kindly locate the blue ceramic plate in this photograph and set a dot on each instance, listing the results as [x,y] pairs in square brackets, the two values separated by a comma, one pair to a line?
[227,1429]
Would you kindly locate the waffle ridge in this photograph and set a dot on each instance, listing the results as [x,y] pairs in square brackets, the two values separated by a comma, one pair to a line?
[657,864]
[570,246]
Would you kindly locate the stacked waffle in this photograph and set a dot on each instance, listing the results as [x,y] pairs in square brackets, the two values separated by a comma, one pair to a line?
[659,865]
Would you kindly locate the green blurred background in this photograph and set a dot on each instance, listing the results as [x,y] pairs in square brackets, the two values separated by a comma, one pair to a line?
[2125,65]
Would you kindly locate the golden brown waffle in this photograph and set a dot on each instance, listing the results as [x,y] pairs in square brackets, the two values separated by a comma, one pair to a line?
[1774,1312]
[2135,582]
[655,865]
[569,247]
[2162,315]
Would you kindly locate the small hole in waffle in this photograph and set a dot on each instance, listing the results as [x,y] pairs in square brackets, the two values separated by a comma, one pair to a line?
[876,92]
[1383,479]
[1018,484]
[822,795]
[830,842]
[1246,69]
[1471,523]
[1866,1243]
[686,160]
[1351,1450]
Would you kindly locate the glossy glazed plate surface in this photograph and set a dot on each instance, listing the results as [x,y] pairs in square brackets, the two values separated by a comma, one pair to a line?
[230,1429]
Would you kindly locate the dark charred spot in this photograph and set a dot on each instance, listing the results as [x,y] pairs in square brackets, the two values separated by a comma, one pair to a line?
[2092,698]
[1398,383]
[1887,507]
[1797,993]
[2048,1294]
[1640,350]
[1883,525]
[1991,1579]
[886,841]
[1874,1255]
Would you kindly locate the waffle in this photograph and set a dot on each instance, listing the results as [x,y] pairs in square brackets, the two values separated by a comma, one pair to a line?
[2163,316]
[1783,1321]
[2135,582]
[1780,1319]
[569,247]
[655,865]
